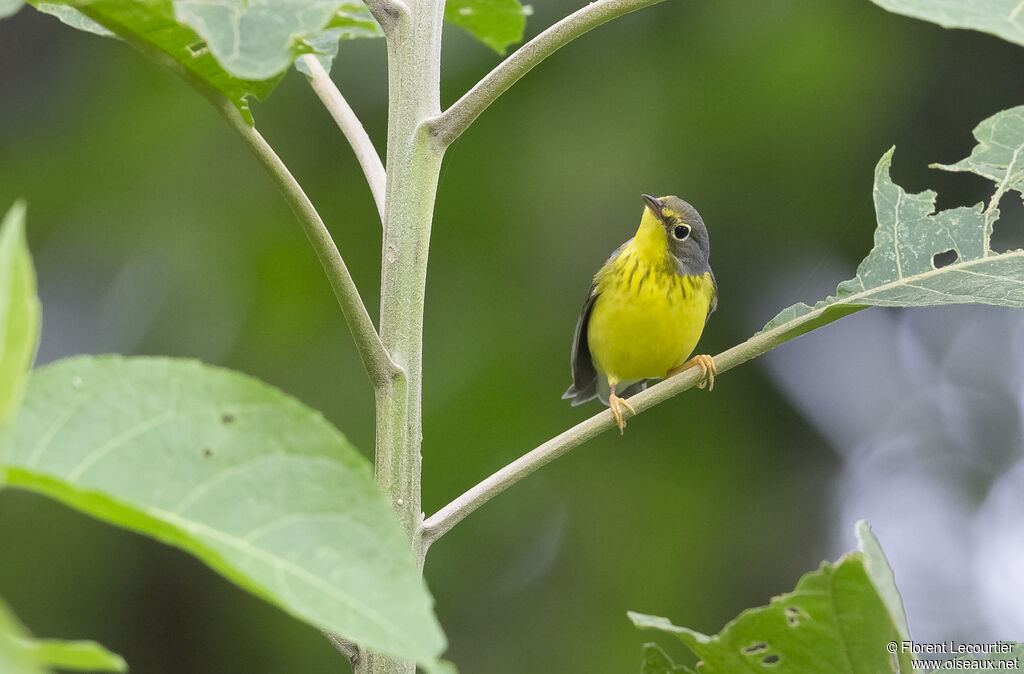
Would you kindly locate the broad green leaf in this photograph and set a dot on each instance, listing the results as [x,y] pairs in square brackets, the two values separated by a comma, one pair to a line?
[9,7]
[901,269]
[21,654]
[834,615]
[352,20]
[656,661]
[496,23]
[244,477]
[1004,18]
[151,25]
[1010,658]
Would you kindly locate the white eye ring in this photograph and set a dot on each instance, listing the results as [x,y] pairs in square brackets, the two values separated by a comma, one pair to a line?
[681,232]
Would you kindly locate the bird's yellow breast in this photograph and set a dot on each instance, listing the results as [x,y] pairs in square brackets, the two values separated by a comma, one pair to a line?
[646,318]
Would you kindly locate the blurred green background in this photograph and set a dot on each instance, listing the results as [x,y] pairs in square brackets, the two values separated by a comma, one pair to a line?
[154,232]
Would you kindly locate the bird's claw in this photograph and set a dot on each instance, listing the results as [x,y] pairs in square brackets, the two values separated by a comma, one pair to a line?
[708,370]
[617,403]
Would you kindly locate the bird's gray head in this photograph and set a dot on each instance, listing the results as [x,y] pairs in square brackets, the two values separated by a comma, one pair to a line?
[685,230]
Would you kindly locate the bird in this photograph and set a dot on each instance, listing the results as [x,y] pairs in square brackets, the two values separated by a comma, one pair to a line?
[646,310]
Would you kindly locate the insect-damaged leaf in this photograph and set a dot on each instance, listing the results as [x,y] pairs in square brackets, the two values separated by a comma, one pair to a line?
[905,268]
[841,618]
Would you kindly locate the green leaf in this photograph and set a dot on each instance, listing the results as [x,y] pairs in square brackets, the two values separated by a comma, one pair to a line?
[9,7]
[151,26]
[21,654]
[1004,18]
[1007,660]
[352,20]
[244,477]
[496,23]
[900,271]
[19,312]
[834,615]
[656,661]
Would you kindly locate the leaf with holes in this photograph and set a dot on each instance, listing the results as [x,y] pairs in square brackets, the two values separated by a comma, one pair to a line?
[1004,18]
[151,26]
[249,480]
[21,654]
[496,23]
[839,618]
[905,268]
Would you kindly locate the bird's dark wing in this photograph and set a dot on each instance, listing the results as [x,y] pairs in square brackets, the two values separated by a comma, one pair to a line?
[584,374]
[714,297]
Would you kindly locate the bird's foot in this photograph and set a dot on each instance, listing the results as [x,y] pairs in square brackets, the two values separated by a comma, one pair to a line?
[708,370]
[617,403]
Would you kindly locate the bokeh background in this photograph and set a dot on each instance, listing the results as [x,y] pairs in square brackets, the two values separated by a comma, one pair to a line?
[154,232]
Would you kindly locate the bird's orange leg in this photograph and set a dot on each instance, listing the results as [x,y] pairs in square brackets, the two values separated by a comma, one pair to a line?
[706,364]
[617,403]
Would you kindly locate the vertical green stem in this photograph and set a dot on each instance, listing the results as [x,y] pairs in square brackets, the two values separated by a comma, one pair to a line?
[413,165]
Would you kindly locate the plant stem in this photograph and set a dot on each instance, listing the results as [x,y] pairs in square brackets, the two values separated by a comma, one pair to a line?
[452,122]
[447,517]
[379,365]
[350,125]
[413,167]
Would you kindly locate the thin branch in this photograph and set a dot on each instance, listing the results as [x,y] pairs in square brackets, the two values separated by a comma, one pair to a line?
[447,517]
[376,359]
[350,125]
[450,124]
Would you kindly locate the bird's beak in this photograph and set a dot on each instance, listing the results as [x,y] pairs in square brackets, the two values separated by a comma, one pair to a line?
[654,204]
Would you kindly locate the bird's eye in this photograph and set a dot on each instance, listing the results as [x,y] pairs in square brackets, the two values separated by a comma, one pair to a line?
[681,232]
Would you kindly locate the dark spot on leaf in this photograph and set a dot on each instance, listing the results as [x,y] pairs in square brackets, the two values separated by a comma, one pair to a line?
[207,452]
[197,48]
[793,615]
[755,648]
[227,418]
[770,660]
[940,260]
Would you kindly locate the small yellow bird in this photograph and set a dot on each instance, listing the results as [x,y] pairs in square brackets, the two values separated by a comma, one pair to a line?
[646,309]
